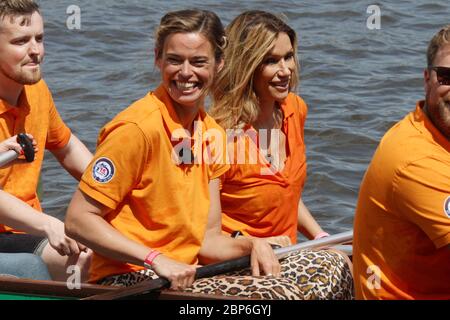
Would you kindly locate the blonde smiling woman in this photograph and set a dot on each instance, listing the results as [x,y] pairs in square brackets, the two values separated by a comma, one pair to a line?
[253,95]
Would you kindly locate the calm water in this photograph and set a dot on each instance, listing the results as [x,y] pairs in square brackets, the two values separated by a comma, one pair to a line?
[357,82]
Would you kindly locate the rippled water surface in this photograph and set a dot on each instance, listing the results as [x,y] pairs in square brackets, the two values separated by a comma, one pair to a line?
[357,82]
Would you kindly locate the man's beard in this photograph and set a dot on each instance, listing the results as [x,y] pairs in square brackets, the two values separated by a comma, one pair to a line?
[444,117]
[28,78]
[24,77]
[439,114]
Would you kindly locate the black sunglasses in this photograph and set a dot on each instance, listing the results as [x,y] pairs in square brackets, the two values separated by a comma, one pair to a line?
[443,75]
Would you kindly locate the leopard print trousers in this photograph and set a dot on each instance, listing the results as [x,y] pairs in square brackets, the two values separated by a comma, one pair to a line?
[305,275]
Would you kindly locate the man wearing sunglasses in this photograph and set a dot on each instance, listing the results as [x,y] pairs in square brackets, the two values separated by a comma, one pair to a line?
[402,221]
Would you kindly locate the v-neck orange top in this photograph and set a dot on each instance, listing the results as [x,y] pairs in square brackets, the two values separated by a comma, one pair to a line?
[256,198]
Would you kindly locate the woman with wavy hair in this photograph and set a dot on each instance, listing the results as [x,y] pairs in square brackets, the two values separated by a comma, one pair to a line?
[261,193]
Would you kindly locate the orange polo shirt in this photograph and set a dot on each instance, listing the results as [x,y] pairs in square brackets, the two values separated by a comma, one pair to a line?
[134,171]
[35,114]
[402,221]
[256,198]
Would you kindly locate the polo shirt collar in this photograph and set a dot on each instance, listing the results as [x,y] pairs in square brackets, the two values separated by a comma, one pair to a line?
[288,108]
[5,107]
[170,117]
[422,123]
[22,103]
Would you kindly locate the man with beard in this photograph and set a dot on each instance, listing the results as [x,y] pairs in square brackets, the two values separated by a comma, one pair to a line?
[26,105]
[402,221]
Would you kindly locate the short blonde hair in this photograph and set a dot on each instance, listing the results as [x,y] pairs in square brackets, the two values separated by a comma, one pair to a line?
[205,22]
[251,36]
[439,40]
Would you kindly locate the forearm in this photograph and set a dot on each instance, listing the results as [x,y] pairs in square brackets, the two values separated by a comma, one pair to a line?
[85,225]
[18,214]
[218,247]
[74,157]
[230,248]
[214,239]
[307,225]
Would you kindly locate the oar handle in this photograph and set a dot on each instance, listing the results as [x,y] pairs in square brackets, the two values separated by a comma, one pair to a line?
[342,237]
[27,147]
[221,267]
[244,262]
[7,156]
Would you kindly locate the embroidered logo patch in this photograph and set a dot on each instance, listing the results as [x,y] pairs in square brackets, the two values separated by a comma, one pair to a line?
[447,206]
[103,170]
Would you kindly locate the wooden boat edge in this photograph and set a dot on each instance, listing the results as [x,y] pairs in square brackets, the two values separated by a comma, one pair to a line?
[12,285]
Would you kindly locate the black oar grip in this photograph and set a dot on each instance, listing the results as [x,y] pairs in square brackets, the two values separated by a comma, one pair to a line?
[27,146]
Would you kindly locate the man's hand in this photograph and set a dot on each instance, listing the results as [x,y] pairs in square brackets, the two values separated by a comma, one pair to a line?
[11,144]
[57,238]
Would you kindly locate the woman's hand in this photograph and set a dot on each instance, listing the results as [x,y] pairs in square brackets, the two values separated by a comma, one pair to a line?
[283,241]
[179,274]
[264,259]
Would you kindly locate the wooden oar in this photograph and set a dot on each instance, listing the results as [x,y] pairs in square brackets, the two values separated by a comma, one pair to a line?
[27,147]
[221,267]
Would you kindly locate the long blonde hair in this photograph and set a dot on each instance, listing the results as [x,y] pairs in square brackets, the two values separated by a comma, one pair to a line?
[251,36]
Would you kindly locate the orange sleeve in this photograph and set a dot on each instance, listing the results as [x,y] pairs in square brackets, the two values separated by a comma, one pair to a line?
[118,164]
[420,194]
[58,133]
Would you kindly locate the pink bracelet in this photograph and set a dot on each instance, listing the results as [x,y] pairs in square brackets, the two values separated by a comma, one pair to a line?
[148,262]
[321,235]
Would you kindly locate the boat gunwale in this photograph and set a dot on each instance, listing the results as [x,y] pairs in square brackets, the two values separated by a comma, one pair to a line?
[58,289]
